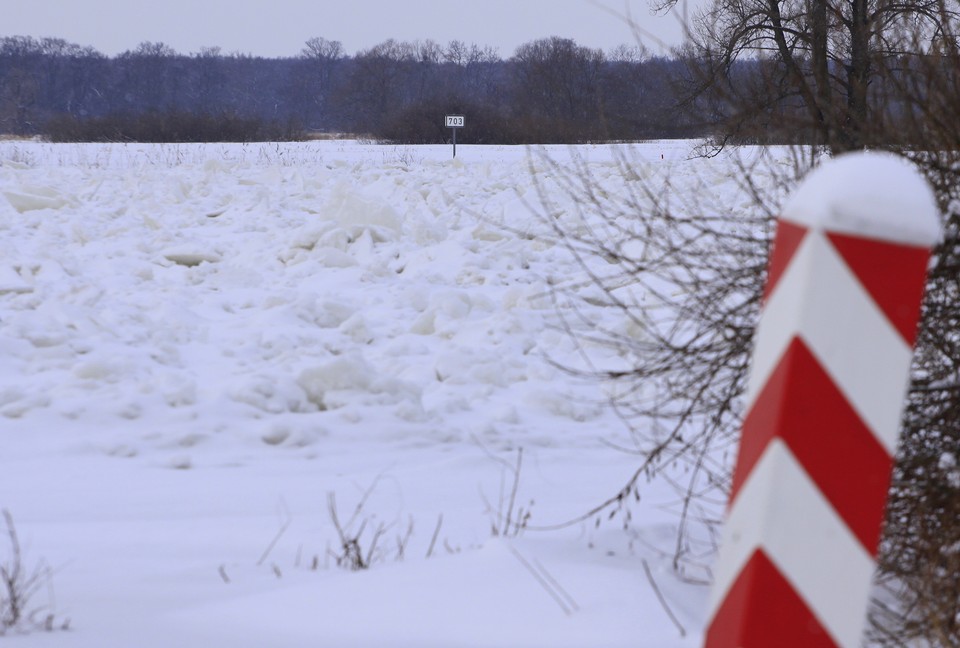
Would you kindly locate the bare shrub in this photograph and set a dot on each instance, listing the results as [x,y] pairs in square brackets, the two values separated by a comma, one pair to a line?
[361,538]
[19,587]
[669,290]
[508,519]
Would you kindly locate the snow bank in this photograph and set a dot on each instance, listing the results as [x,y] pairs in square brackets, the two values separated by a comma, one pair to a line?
[195,338]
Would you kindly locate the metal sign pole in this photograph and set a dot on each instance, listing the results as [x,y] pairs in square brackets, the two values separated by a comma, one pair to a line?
[454,141]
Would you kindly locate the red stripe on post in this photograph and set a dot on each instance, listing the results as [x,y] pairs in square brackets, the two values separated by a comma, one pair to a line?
[893,275]
[801,405]
[761,610]
[785,243]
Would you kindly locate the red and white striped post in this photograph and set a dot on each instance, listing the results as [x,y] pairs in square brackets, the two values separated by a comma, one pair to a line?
[829,375]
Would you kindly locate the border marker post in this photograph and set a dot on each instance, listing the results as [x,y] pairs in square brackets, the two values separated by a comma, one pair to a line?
[453,122]
[829,374]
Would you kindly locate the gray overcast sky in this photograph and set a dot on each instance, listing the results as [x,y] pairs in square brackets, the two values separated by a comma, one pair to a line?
[276,28]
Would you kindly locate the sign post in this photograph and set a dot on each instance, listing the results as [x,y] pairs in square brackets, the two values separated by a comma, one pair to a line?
[830,369]
[454,122]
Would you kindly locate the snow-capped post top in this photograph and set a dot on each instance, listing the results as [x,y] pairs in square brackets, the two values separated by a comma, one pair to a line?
[867,194]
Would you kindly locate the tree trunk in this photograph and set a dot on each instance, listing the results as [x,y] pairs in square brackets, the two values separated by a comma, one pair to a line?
[821,72]
[858,76]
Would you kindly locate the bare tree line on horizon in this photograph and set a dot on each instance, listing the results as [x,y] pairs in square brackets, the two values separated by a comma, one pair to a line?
[550,90]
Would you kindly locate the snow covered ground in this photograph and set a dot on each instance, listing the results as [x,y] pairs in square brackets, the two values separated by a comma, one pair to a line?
[200,343]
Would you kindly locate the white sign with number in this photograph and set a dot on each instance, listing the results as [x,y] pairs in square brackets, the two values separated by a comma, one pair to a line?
[454,121]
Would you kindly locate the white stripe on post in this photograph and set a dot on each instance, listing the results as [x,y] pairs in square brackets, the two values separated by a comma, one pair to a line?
[809,547]
[830,369]
[817,293]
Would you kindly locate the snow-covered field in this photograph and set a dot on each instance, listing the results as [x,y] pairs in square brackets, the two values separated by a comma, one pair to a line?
[201,343]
